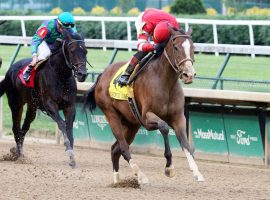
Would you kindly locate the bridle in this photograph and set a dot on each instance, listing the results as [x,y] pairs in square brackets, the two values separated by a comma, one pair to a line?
[177,66]
[74,66]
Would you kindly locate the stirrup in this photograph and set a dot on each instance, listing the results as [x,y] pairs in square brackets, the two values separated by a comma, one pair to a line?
[123,80]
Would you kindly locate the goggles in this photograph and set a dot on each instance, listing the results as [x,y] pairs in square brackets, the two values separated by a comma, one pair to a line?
[66,25]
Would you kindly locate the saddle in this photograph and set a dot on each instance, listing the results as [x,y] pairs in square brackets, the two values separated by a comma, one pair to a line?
[31,82]
[126,92]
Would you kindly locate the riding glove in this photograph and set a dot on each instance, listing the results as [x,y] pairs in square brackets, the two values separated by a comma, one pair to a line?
[159,48]
[34,60]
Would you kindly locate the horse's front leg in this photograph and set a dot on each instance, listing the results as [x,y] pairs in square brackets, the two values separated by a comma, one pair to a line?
[153,122]
[53,112]
[124,134]
[69,119]
[179,126]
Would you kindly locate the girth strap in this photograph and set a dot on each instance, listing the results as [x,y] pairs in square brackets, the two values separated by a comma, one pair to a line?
[133,106]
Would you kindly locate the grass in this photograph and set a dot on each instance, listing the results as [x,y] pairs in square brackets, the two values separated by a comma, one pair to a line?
[206,65]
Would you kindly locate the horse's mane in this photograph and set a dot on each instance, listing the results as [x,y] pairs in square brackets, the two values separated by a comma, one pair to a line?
[77,36]
[179,30]
[74,35]
[182,31]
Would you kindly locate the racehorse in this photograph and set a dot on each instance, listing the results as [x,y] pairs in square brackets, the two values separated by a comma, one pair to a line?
[160,101]
[55,89]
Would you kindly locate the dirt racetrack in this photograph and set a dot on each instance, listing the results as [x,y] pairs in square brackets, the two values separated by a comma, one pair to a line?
[45,174]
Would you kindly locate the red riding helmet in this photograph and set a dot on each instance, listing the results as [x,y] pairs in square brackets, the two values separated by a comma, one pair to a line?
[161,32]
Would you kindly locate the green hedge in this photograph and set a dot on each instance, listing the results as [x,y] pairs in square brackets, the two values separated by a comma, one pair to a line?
[118,30]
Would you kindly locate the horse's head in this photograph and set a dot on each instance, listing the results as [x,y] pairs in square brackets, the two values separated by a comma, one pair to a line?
[75,52]
[180,53]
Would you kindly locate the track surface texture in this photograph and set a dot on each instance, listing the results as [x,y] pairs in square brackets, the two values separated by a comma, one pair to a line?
[45,174]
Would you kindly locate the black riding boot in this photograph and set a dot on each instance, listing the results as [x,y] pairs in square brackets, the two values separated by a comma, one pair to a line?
[123,80]
[27,73]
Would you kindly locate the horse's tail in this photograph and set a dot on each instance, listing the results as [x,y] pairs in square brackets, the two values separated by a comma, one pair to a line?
[89,99]
[3,86]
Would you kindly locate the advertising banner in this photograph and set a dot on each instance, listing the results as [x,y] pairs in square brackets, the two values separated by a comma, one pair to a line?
[99,127]
[80,125]
[243,135]
[208,132]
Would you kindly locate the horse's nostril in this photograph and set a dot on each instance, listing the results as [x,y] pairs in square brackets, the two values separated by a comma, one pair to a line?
[185,75]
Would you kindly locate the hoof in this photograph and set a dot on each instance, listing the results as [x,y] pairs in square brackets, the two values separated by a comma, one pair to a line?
[116,177]
[198,177]
[72,162]
[170,171]
[142,179]
[14,154]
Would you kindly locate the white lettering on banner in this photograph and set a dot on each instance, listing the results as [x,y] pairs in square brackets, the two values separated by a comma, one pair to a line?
[171,132]
[242,138]
[78,123]
[100,120]
[209,135]
[142,132]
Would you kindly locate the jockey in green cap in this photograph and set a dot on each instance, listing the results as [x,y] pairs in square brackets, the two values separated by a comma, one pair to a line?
[45,36]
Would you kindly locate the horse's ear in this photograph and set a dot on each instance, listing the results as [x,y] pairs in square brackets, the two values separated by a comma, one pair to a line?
[189,32]
[80,35]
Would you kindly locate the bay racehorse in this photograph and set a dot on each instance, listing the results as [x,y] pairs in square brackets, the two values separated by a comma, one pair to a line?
[55,89]
[160,101]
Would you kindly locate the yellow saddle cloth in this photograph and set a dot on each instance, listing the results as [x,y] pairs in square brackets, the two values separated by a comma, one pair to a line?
[117,92]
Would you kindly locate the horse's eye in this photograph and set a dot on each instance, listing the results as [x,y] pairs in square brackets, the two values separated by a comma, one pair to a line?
[175,47]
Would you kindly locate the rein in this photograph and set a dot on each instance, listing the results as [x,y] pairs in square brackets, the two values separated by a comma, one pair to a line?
[176,66]
[68,62]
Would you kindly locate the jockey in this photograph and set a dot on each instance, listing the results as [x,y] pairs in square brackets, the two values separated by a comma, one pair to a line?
[45,36]
[154,23]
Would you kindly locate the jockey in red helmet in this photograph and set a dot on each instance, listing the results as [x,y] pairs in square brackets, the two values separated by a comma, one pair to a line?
[151,23]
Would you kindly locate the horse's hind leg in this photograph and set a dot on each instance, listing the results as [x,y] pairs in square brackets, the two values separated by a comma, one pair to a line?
[115,155]
[120,131]
[179,125]
[153,122]
[16,108]
[29,118]
[20,135]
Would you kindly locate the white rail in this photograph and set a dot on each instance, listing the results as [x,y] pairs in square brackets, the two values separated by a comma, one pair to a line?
[128,20]
[125,44]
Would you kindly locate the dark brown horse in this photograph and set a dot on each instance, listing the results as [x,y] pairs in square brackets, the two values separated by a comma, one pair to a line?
[160,101]
[55,90]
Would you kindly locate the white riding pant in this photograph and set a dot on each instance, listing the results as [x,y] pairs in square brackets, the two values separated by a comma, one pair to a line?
[139,24]
[43,51]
